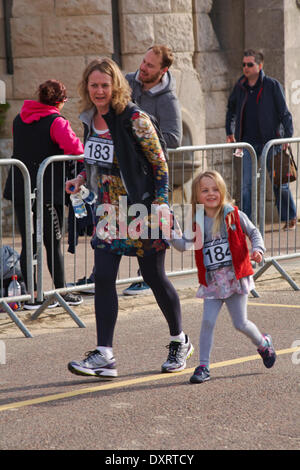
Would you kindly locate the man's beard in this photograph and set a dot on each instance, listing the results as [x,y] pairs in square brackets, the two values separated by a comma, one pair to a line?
[150,79]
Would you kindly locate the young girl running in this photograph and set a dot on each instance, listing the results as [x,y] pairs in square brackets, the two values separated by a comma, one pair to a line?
[224,267]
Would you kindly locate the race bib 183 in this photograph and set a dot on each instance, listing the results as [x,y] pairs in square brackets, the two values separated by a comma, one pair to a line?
[99,151]
[217,254]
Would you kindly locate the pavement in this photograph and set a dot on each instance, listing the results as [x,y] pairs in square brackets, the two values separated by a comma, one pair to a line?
[243,407]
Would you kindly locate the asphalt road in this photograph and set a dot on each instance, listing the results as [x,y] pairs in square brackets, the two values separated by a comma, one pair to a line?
[244,406]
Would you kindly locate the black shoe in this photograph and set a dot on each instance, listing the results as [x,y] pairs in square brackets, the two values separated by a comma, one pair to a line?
[72,299]
[137,288]
[201,374]
[83,281]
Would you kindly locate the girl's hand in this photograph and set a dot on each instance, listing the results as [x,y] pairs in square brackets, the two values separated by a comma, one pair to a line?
[256,256]
[73,186]
[165,220]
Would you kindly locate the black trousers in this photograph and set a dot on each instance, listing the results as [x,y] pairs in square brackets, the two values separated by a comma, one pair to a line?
[106,299]
[53,218]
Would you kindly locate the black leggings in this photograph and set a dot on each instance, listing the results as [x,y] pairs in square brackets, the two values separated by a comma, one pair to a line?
[53,217]
[106,298]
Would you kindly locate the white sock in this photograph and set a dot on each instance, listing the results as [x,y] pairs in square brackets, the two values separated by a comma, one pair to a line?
[180,337]
[106,351]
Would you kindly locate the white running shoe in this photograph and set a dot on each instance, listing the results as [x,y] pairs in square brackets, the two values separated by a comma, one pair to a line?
[95,364]
[178,355]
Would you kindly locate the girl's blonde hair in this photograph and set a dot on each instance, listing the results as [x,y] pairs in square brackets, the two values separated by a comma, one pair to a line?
[224,196]
[121,93]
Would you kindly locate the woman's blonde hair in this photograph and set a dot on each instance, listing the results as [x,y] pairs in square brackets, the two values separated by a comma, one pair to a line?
[121,92]
[225,198]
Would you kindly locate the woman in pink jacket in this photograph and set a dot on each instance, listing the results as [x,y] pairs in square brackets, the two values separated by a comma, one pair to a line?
[40,131]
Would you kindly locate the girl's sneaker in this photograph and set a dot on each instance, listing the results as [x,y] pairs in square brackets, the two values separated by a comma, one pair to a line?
[201,374]
[268,353]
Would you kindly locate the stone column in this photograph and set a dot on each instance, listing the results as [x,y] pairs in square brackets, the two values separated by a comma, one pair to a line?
[51,39]
[273,27]
[212,66]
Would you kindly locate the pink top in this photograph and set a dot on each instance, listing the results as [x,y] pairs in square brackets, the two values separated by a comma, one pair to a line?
[60,132]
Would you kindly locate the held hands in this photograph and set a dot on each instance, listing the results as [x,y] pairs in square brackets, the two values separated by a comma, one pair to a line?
[168,223]
[165,218]
[73,186]
[256,256]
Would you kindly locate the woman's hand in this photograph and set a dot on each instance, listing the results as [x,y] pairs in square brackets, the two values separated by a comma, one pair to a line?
[256,256]
[73,186]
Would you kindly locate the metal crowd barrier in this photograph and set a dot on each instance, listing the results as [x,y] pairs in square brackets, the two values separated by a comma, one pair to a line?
[214,157]
[181,161]
[12,241]
[282,245]
[219,157]
[184,163]
[54,293]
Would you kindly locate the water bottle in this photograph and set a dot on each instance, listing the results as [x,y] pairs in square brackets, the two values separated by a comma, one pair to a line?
[88,196]
[78,205]
[13,290]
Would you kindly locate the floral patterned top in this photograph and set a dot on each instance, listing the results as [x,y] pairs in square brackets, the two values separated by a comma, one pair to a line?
[116,231]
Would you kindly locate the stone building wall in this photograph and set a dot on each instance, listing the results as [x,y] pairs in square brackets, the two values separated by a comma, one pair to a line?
[170,22]
[273,27]
[56,39]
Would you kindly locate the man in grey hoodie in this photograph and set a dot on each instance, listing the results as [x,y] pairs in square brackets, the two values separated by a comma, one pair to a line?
[154,91]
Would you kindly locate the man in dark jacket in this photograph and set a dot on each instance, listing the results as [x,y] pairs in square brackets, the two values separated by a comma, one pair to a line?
[256,113]
[154,91]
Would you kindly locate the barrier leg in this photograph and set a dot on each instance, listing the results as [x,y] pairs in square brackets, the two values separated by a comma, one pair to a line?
[63,303]
[262,270]
[40,310]
[277,266]
[16,320]
[285,275]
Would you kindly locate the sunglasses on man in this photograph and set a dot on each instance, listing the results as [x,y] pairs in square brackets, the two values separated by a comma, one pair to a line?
[248,64]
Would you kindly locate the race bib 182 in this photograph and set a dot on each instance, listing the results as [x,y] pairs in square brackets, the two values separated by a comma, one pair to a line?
[99,151]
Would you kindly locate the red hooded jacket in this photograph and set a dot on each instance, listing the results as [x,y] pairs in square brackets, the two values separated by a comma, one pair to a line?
[238,248]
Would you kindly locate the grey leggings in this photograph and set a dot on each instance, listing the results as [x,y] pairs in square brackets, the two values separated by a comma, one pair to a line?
[237,307]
